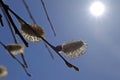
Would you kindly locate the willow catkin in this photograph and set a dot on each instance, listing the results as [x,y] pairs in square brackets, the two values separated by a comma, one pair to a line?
[15,48]
[3,71]
[32,32]
[73,48]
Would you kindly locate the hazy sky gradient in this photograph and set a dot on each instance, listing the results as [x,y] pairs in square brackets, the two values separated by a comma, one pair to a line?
[72,21]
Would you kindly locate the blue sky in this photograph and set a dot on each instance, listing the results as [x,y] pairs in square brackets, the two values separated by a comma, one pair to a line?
[72,21]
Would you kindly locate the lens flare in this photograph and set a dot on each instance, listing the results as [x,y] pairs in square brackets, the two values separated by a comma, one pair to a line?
[97,8]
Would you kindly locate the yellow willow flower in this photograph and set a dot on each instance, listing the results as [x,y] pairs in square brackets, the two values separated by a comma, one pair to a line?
[3,71]
[15,48]
[32,32]
[73,48]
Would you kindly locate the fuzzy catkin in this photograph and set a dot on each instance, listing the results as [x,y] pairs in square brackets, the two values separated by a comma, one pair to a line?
[3,71]
[32,32]
[15,48]
[74,48]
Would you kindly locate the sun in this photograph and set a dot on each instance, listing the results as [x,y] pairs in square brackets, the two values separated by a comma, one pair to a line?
[97,8]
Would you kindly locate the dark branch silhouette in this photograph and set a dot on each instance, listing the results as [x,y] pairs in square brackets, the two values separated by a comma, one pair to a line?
[23,66]
[11,24]
[5,8]
[15,40]
[32,18]
[6,11]
[53,47]
[1,21]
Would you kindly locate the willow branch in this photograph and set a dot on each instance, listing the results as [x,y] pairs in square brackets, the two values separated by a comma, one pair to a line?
[10,27]
[1,21]
[16,59]
[19,18]
[47,47]
[54,48]
[29,12]
[12,23]
[45,9]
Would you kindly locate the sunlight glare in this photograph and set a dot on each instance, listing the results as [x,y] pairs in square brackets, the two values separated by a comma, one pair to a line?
[97,8]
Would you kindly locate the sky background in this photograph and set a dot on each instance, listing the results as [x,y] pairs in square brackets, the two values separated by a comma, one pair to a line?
[72,21]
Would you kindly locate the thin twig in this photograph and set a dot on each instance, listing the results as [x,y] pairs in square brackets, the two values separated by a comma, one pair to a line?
[29,12]
[10,27]
[1,21]
[32,18]
[54,48]
[23,66]
[49,50]
[9,23]
[45,9]
[23,58]
[5,7]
